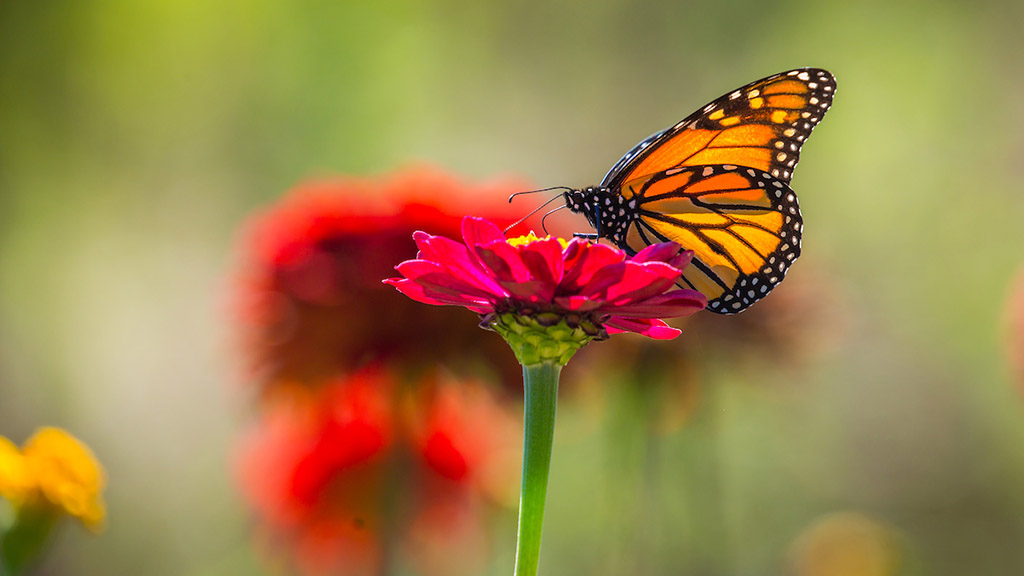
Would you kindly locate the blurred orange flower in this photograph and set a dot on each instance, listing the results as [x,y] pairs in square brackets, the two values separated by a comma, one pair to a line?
[309,297]
[363,472]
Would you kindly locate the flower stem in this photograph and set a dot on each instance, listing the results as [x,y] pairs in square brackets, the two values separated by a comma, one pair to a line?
[541,385]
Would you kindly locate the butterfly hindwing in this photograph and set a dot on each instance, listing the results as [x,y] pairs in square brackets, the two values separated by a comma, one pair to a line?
[762,125]
[743,225]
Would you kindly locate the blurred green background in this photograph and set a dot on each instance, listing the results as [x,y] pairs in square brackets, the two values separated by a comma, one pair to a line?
[135,137]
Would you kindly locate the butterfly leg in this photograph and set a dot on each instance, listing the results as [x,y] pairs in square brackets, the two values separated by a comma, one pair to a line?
[597,226]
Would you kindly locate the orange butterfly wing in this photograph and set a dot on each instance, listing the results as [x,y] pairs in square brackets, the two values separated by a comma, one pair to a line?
[762,125]
[743,225]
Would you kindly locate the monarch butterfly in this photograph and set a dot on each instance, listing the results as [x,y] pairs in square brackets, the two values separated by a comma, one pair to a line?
[717,183]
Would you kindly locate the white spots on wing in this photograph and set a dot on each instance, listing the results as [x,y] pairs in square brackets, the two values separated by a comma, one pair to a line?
[708,171]
[804,76]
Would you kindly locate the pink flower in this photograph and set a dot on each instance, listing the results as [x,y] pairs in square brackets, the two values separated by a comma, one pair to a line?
[589,285]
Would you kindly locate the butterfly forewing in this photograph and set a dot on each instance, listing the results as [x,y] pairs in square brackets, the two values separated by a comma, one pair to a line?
[762,125]
[742,224]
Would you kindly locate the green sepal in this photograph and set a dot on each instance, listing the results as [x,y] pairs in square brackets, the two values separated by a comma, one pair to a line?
[545,336]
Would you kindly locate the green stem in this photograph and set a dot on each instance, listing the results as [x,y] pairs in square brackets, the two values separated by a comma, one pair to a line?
[22,543]
[541,385]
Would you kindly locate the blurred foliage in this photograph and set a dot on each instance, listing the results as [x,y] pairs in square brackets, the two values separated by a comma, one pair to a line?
[136,136]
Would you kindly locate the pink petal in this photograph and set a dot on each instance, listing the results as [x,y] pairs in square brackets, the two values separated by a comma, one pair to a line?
[651,328]
[544,259]
[584,259]
[503,261]
[423,294]
[641,282]
[682,260]
[477,231]
[533,291]
[577,303]
[662,252]
[431,273]
[602,280]
[677,303]
[456,260]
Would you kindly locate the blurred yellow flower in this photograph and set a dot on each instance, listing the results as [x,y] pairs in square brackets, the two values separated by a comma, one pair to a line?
[15,479]
[54,470]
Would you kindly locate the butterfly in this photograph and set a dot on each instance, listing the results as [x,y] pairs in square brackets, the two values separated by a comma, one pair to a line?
[717,183]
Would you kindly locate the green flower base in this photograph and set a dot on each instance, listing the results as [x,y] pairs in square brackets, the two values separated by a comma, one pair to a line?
[545,336]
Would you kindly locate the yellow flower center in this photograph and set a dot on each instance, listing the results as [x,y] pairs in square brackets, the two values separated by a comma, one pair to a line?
[531,237]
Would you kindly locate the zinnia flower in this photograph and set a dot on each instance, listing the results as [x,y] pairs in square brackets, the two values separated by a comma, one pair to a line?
[591,287]
[547,298]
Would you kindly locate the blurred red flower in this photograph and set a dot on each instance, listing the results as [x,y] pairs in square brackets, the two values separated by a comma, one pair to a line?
[309,298]
[363,472]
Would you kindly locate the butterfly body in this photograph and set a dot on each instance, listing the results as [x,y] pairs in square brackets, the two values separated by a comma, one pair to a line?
[717,183]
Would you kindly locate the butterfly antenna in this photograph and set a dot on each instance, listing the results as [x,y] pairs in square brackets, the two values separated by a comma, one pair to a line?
[535,210]
[535,191]
[545,217]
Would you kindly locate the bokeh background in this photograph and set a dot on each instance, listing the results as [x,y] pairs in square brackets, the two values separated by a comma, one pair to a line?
[872,425]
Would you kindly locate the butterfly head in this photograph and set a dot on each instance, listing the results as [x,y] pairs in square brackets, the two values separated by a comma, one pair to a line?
[581,201]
